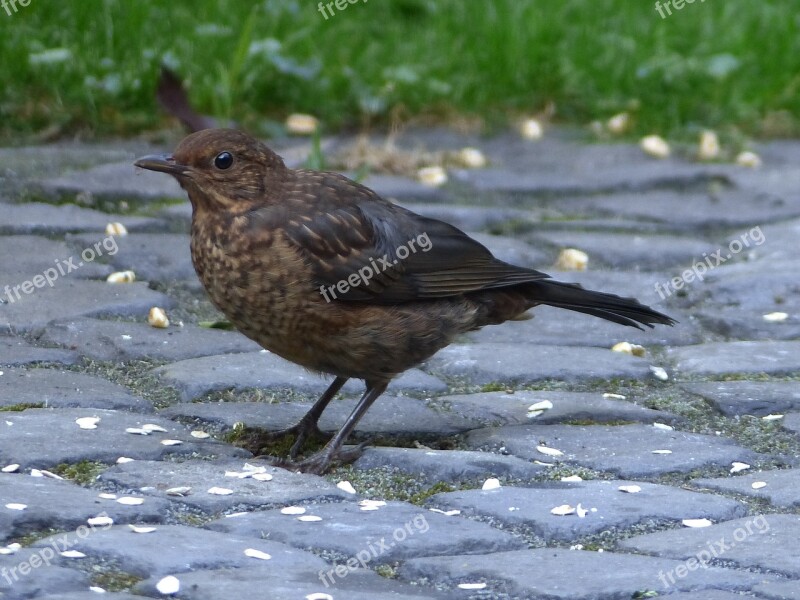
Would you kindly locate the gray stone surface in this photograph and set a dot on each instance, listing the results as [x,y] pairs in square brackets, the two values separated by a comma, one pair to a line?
[40,218]
[69,299]
[55,504]
[175,549]
[519,364]
[792,422]
[626,450]
[737,357]
[28,438]
[394,532]
[34,254]
[759,398]
[37,582]
[155,478]
[389,415]
[447,465]
[609,508]
[782,489]
[505,408]
[778,590]
[767,542]
[557,573]
[122,340]
[52,388]
[17,352]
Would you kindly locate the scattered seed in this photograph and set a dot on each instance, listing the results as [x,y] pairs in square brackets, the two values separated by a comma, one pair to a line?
[87,422]
[739,466]
[262,477]
[572,478]
[709,146]
[472,586]
[220,491]
[547,450]
[772,418]
[748,159]
[663,426]
[293,510]
[200,435]
[236,514]
[106,496]
[662,452]
[582,512]
[572,259]
[319,596]
[628,348]
[491,484]
[253,553]
[12,468]
[614,396]
[137,431]
[697,522]
[151,427]
[659,373]
[446,513]
[100,521]
[121,277]
[169,585]
[775,317]
[72,554]
[757,485]
[179,491]
[432,176]
[124,459]
[531,129]
[130,500]
[309,518]
[158,318]
[301,124]
[618,123]
[16,506]
[171,442]
[630,489]
[141,529]
[116,229]
[346,486]
[655,146]
[563,510]
[471,158]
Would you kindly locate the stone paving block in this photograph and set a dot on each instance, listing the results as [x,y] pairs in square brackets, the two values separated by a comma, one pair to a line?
[792,422]
[396,531]
[514,251]
[176,549]
[16,352]
[92,595]
[28,438]
[155,478]
[37,217]
[267,371]
[720,358]
[736,323]
[624,251]
[37,582]
[34,254]
[780,239]
[357,584]
[447,465]
[52,388]
[782,489]
[526,363]
[401,188]
[609,507]
[123,341]
[152,256]
[626,450]
[758,398]
[69,299]
[557,573]
[778,590]
[389,415]
[51,503]
[552,326]
[505,408]
[766,542]
[471,218]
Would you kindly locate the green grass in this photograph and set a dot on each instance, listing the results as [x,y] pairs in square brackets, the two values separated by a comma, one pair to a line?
[731,65]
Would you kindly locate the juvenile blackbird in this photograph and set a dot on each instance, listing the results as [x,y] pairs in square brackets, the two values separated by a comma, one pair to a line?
[327,274]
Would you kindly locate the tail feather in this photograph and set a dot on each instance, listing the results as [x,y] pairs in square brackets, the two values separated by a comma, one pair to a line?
[625,311]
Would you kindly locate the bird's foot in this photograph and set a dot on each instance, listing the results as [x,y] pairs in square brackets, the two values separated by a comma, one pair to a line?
[319,462]
[302,432]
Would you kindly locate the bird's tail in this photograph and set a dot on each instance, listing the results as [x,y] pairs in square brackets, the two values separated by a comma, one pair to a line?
[625,311]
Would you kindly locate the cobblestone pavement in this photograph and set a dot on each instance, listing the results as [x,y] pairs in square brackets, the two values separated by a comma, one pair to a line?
[673,473]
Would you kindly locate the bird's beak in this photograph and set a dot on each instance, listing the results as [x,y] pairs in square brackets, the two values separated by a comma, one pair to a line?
[164,163]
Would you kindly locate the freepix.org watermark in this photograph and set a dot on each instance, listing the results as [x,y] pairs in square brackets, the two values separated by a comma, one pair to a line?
[419,524]
[714,549]
[665,8]
[58,545]
[754,237]
[340,5]
[63,267]
[364,274]
[10,6]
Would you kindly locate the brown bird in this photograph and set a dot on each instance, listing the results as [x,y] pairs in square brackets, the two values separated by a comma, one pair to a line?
[327,274]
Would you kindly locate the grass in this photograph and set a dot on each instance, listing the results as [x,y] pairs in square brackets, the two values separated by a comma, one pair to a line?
[90,67]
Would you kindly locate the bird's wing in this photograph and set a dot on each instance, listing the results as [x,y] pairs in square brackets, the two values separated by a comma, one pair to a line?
[383,253]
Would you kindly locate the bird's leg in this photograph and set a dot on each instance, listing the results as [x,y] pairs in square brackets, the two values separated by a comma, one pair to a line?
[306,427]
[319,462]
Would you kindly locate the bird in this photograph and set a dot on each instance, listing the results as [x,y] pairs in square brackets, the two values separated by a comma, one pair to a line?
[327,274]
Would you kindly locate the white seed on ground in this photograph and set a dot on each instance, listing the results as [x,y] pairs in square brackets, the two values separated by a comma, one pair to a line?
[346,487]
[72,554]
[171,442]
[137,431]
[87,422]
[121,277]
[100,521]
[491,484]
[739,466]
[12,468]
[262,477]
[116,228]
[471,158]
[628,348]
[572,478]
[16,506]
[182,490]
[663,426]
[124,459]
[200,435]
[572,259]
[293,510]
[531,129]
[236,514]
[655,146]
[708,148]
[130,500]
[697,522]
[563,510]
[775,317]
[169,585]
[446,513]
[581,512]
[220,491]
[301,124]
[662,452]
[618,123]
[319,596]
[659,373]
[547,450]
[472,586]
[374,503]
[158,318]
[44,473]
[96,589]
[541,406]
[141,529]
[630,489]
[748,159]
[614,396]
[151,427]
[309,518]
[432,176]
[757,485]
[107,496]
[772,417]
[253,553]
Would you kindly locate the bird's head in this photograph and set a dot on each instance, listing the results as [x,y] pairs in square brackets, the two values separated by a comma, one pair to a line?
[222,169]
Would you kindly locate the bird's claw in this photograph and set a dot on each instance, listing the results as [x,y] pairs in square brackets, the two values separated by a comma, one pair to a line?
[319,462]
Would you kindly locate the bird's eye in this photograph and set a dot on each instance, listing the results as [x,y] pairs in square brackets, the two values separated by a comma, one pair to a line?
[223,160]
